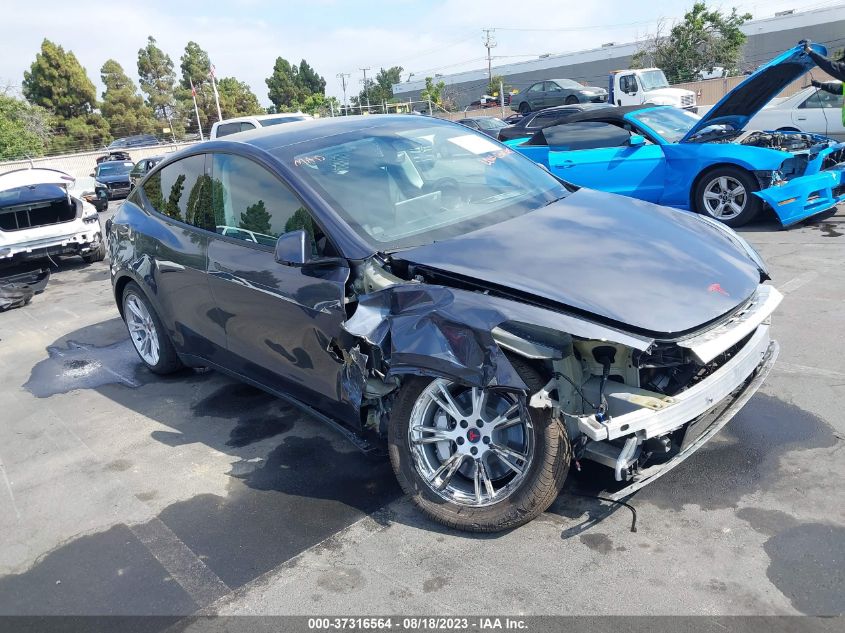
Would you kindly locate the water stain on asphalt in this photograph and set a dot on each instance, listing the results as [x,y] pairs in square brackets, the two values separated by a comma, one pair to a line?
[743,458]
[829,229]
[83,366]
[597,542]
[805,559]
[435,584]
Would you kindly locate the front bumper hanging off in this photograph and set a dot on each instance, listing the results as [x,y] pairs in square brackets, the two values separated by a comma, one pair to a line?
[711,422]
[797,199]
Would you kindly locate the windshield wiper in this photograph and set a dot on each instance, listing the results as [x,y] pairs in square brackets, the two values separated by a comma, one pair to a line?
[566,195]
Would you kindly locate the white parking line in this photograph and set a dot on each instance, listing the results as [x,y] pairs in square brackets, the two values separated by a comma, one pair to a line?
[796,282]
[9,488]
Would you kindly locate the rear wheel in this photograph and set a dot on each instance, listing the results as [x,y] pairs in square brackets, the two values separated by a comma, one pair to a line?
[726,194]
[524,108]
[147,332]
[475,459]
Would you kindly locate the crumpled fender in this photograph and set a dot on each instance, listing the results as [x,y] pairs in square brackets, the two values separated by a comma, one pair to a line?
[432,330]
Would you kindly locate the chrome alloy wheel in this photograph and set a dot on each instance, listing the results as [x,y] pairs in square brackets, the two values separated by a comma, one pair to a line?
[142,330]
[471,446]
[725,198]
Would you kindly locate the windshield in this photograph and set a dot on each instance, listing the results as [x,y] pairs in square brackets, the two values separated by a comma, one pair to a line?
[490,124]
[653,79]
[672,124]
[403,185]
[567,83]
[114,169]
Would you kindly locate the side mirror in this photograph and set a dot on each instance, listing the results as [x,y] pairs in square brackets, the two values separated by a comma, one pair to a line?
[636,139]
[93,174]
[292,249]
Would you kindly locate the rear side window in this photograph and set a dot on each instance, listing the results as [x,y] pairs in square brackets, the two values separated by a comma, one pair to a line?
[182,191]
[546,118]
[225,129]
[254,205]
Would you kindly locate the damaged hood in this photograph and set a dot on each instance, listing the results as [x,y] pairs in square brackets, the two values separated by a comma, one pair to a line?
[633,264]
[738,106]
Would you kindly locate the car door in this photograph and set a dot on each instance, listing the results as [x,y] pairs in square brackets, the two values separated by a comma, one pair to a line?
[282,322]
[820,113]
[178,247]
[602,156]
[534,96]
[554,95]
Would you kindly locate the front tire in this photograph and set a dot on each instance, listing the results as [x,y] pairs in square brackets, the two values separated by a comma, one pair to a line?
[472,459]
[571,100]
[149,338]
[726,194]
[524,108]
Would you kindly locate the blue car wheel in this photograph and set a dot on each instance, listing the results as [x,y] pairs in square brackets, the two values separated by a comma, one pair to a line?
[726,194]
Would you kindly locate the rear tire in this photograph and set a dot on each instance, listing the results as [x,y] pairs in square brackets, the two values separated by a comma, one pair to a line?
[522,495]
[726,194]
[147,332]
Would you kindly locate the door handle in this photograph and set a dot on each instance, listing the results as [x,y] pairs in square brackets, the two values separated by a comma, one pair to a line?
[801,118]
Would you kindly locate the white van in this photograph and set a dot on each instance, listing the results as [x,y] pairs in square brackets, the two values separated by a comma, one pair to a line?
[246,123]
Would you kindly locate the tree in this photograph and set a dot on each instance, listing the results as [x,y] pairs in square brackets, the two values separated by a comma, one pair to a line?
[237,99]
[290,86]
[195,67]
[57,82]
[24,129]
[380,89]
[122,106]
[157,80]
[703,40]
[433,91]
[256,218]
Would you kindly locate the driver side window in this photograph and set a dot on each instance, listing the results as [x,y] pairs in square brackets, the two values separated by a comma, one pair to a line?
[253,205]
[628,83]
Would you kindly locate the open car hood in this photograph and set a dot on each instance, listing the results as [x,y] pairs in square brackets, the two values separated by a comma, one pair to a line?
[738,106]
[640,267]
[32,177]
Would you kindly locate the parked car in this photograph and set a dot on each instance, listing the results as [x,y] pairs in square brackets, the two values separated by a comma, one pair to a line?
[117,155]
[94,193]
[437,292]
[488,125]
[555,92]
[513,118]
[142,168]
[40,218]
[529,124]
[709,164]
[246,123]
[115,176]
[138,140]
[810,110]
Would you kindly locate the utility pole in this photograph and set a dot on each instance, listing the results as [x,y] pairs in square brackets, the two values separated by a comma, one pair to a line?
[366,87]
[489,42]
[342,77]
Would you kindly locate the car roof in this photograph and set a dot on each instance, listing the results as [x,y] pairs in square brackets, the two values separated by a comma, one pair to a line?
[277,136]
[615,113]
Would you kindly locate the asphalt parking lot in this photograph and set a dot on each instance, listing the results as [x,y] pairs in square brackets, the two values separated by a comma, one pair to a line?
[126,493]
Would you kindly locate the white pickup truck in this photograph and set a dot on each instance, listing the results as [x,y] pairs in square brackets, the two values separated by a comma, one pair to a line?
[646,85]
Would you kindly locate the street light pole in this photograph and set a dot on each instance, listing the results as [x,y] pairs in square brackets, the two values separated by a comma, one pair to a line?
[366,87]
[342,77]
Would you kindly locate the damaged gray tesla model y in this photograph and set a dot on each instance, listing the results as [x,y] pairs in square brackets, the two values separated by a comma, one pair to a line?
[419,285]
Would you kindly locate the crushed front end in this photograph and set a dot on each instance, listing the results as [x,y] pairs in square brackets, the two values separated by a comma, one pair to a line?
[811,181]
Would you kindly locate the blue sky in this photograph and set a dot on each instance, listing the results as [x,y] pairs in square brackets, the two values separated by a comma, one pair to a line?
[244,37]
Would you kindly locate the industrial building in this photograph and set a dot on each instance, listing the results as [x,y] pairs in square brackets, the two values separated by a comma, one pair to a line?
[766,38]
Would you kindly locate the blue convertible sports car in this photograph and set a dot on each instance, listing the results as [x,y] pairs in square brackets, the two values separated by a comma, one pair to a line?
[708,164]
